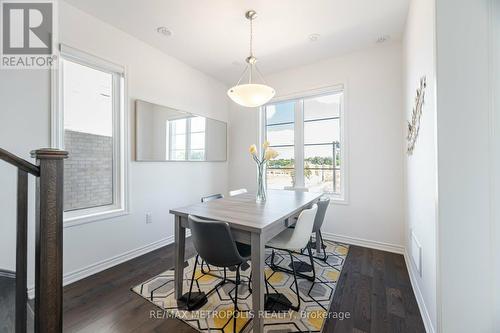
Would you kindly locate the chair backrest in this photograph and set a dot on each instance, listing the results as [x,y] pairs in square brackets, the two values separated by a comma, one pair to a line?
[212,197]
[214,242]
[298,189]
[320,215]
[303,228]
[236,192]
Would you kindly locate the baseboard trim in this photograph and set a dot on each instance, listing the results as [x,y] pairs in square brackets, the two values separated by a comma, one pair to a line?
[429,328]
[100,266]
[399,249]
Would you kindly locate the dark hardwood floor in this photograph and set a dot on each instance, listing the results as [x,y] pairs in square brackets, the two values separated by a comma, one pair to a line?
[374,288]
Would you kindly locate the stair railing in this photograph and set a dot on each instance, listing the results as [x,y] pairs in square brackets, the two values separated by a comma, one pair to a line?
[49,173]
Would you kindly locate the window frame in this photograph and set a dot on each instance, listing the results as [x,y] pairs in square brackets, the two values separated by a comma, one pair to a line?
[188,149]
[120,138]
[299,144]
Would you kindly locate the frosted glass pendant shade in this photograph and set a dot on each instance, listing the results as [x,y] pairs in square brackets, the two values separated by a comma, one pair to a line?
[251,95]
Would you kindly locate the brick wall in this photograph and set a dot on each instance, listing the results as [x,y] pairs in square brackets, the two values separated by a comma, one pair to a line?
[88,172]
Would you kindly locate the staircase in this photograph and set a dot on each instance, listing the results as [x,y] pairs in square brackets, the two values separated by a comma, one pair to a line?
[48,171]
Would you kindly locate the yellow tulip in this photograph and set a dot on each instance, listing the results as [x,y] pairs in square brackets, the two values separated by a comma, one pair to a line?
[266,144]
[270,154]
[253,150]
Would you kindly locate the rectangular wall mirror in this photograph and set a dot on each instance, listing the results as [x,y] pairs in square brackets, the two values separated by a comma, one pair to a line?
[166,134]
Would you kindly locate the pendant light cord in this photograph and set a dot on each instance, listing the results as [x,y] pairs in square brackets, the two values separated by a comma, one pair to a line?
[251,51]
[251,37]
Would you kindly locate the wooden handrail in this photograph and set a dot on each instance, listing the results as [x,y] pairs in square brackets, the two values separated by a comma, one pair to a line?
[49,240]
[19,162]
[49,173]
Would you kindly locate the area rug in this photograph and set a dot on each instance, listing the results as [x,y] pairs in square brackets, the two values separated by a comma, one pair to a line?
[217,314]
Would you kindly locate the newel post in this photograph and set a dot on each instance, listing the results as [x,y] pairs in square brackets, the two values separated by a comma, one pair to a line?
[49,240]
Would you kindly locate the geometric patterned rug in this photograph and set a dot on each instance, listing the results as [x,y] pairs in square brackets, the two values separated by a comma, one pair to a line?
[217,314]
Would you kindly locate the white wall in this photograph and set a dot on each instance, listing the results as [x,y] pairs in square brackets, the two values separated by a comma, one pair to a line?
[373,106]
[24,126]
[495,149]
[153,187]
[465,248]
[420,168]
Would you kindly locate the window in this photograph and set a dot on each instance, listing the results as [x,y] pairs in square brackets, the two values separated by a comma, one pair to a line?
[186,139]
[90,126]
[308,134]
[280,132]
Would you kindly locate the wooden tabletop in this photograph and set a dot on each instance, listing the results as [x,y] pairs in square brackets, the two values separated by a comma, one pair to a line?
[243,212]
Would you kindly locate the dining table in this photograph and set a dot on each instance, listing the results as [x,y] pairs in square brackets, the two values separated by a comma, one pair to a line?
[251,222]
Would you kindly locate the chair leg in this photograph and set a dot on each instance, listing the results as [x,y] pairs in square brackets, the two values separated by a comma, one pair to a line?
[267,284]
[312,262]
[250,283]
[295,308]
[325,257]
[286,270]
[236,298]
[203,269]
[191,285]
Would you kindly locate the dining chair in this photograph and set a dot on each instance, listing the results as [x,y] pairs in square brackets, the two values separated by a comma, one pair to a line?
[323,205]
[294,239]
[214,244]
[212,197]
[236,192]
[298,188]
[207,199]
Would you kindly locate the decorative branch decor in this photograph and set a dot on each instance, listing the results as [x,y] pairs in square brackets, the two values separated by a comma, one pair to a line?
[414,125]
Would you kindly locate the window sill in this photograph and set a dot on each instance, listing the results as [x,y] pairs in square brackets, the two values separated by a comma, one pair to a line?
[72,220]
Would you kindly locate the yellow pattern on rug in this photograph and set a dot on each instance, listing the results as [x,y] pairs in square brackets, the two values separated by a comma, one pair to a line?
[217,313]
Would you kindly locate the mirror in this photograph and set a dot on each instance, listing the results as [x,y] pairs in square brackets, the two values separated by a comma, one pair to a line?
[166,134]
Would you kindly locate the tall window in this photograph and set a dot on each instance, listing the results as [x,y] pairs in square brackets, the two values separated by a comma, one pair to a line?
[308,134]
[90,127]
[280,132]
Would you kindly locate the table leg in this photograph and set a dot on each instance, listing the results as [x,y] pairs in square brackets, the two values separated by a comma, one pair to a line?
[180,241]
[318,243]
[258,256]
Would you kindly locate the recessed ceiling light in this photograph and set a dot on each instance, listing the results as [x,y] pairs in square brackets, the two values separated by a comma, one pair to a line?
[164,31]
[314,37]
[383,39]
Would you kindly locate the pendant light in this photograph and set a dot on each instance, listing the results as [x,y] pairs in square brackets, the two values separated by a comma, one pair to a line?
[251,94]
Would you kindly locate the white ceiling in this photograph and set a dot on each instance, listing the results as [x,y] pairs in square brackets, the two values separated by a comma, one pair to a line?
[212,35]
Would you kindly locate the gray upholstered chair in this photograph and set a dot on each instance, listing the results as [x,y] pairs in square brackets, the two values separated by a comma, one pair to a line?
[207,199]
[215,244]
[296,188]
[318,222]
[212,197]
